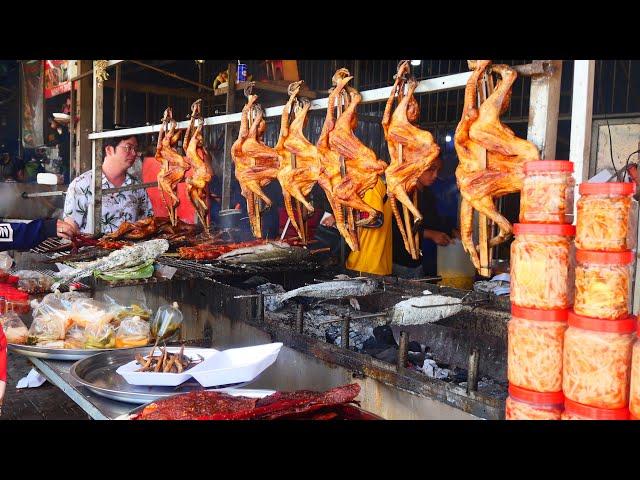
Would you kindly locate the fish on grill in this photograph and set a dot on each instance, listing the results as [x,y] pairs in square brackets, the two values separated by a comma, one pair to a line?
[125,257]
[333,289]
[270,252]
[211,405]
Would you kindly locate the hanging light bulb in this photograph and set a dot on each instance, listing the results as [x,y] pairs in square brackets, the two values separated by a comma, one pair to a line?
[447,138]
[200,62]
[416,63]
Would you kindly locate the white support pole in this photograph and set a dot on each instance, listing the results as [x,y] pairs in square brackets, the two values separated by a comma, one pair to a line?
[95,211]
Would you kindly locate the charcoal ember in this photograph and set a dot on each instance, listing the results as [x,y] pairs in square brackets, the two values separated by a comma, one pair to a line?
[384,335]
[270,302]
[414,347]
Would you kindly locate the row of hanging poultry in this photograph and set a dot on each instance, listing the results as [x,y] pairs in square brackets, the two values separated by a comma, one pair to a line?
[491,158]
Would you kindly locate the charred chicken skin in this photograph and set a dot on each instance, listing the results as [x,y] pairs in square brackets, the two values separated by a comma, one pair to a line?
[330,175]
[256,164]
[419,149]
[297,182]
[480,130]
[362,165]
[198,183]
[174,166]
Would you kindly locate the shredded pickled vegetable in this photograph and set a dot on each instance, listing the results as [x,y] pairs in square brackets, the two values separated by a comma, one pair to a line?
[542,272]
[573,416]
[547,199]
[596,369]
[603,223]
[634,394]
[535,354]
[602,291]
[516,410]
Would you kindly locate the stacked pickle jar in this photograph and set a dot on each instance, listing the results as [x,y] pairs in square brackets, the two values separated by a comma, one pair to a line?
[598,344]
[542,278]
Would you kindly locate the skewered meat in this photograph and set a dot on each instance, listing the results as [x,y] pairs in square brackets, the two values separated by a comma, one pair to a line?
[419,150]
[174,165]
[149,227]
[296,182]
[362,166]
[480,130]
[198,183]
[256,163]
[330,171]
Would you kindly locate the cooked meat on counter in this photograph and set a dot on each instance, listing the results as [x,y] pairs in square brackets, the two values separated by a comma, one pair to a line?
[480,130]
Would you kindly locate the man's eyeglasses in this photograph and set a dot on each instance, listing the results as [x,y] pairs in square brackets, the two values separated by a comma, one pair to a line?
[129,148]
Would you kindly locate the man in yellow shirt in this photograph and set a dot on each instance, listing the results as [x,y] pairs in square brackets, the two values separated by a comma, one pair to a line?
[375,255]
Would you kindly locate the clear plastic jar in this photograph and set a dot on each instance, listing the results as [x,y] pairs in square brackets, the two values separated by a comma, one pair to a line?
[525,404]
[603,284]
[17,302]
[634,392]
[535,341]
[547,192]
[607,217]
[596,367]
[542,266]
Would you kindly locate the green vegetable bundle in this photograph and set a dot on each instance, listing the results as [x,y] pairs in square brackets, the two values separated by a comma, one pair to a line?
[144,270]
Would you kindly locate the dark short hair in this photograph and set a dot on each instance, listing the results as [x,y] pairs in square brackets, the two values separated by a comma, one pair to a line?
[115,141]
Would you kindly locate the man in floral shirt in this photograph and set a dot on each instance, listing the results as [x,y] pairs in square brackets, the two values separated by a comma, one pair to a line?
[130,205]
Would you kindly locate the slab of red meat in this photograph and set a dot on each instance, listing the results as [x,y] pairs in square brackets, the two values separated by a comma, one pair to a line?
[192,405]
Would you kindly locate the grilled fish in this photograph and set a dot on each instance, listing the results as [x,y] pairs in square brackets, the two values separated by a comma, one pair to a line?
[333,289]
[125,257]
[271,252]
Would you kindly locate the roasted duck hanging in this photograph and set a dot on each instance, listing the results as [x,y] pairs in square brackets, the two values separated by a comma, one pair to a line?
[256,164]
[198,183]
[412,152]
[479,133]
[174,166]
[299,159]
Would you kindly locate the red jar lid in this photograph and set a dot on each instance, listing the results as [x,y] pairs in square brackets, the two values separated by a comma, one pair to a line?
[609,188]
[17,296]
[595,413]
[542,315]
[12,279]
[548,166]
[624,325]
[606,258]
[548,398]
[544,229]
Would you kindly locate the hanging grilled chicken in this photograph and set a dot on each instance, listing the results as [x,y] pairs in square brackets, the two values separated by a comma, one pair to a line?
[297,182]
[481,130]
[330,174]
[198,183]
[419,149]
[174,165]
[256,163]
[362,165]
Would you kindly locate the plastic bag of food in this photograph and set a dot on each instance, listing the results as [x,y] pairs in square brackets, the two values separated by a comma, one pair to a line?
[34,282]
[53,309]
[131,308]
[46,328]
[75,338]
[87,311]
[5,261]
[133,332]
[99,335]
[167,321]
[14,328]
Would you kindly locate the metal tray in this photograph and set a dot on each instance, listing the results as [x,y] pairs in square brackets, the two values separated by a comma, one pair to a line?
[98,374]
[58,353]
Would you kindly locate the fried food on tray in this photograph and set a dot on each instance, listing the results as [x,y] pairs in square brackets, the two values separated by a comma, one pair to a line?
[166,362]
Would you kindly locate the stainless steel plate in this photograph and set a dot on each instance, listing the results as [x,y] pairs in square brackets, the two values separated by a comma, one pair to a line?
[57,353]
[98,374]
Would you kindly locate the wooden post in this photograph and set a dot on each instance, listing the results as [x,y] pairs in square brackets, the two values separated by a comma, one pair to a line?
[116,97]
[83,160]
[97,154]
[544,105]
[483,221]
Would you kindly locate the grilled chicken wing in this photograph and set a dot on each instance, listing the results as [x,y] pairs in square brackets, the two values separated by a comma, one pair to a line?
[480,130]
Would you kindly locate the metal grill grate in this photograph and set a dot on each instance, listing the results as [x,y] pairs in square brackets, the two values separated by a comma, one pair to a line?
[52,248]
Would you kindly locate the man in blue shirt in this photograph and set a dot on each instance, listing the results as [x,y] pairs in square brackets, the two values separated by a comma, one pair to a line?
[23,236]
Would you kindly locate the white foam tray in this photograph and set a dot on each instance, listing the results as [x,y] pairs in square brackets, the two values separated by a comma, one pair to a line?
[219,367]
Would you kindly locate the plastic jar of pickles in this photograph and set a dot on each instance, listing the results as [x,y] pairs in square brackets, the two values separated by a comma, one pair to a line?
[542,266]
[547,192]
[596,367]
[603,284]
[607,217]
[525,404]
[634,392]
[535,342]
[18,302]
[577,411]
